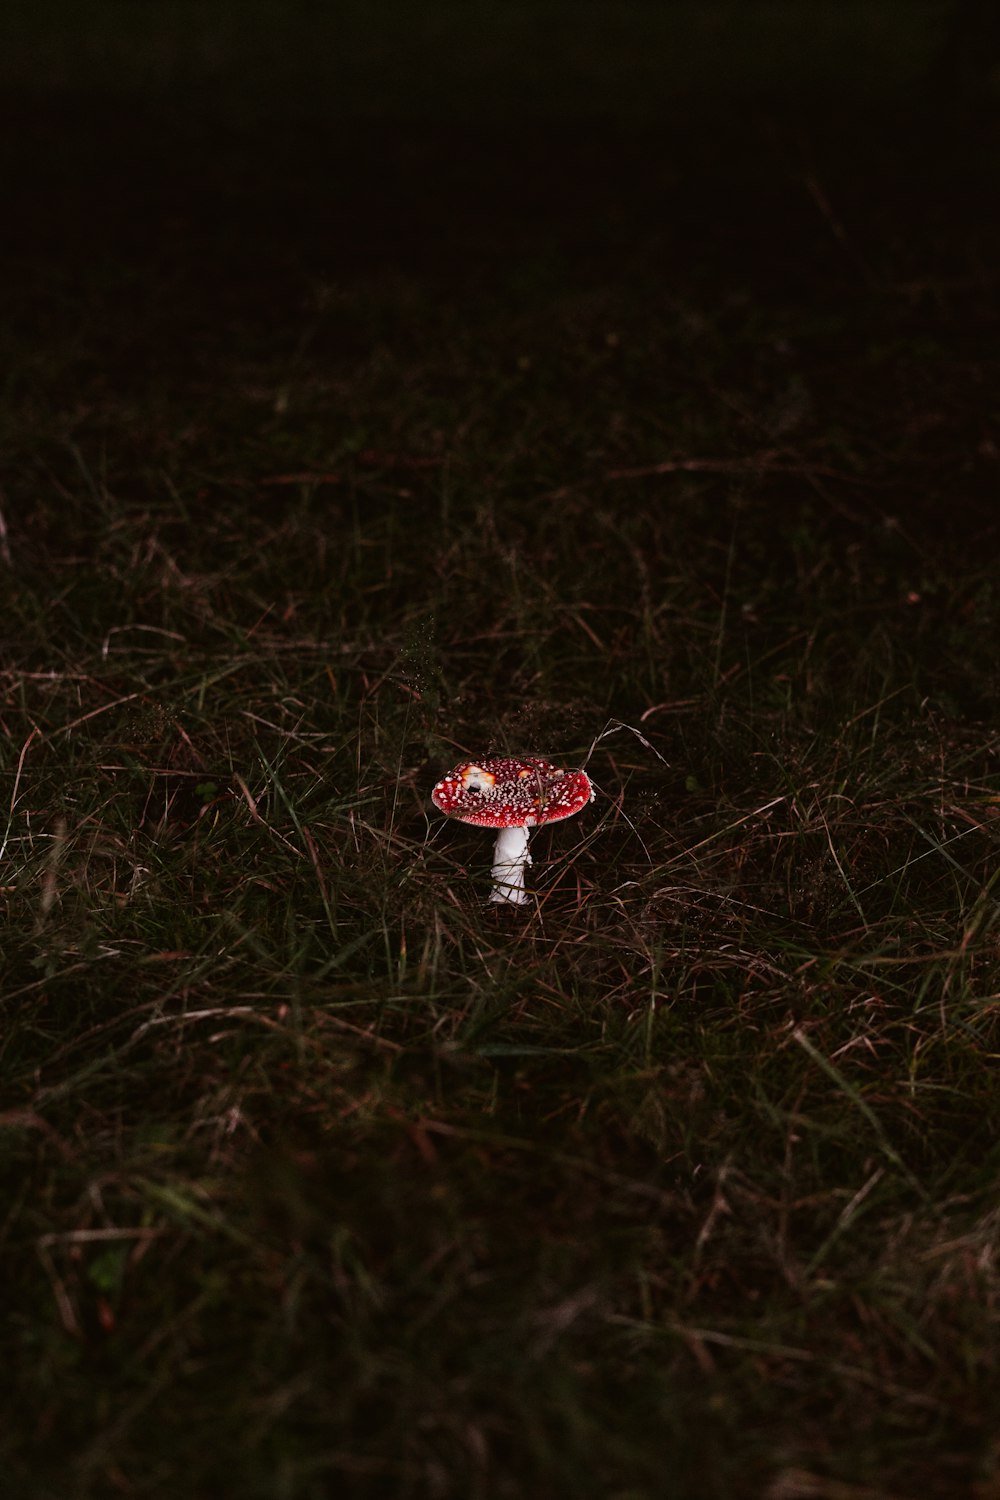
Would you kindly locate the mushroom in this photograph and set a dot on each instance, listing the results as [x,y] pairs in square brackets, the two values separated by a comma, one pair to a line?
[512,796]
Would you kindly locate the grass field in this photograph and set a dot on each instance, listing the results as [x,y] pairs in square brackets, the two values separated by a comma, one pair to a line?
[335,457]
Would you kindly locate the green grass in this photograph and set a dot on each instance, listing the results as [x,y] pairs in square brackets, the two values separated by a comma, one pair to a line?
[329,464]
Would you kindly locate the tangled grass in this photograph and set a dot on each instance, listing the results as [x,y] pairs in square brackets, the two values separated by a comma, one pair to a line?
[322,1176]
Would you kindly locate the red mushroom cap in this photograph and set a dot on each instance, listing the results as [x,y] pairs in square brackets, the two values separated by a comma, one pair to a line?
[509,793]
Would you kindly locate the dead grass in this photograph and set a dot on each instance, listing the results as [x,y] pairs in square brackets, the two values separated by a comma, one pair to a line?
[321,1175]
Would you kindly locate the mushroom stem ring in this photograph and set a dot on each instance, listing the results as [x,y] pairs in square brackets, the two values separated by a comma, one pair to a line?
[511,796]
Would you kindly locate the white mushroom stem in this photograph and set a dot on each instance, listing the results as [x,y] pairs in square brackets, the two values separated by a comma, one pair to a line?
[510,857]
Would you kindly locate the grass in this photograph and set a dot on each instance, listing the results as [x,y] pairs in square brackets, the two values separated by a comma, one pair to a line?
[332,462]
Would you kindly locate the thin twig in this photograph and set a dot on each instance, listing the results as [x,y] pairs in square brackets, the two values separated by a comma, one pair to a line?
[760,463]
[13,796]
[4,541]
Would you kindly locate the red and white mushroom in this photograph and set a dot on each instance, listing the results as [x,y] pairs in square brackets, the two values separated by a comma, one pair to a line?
[512,796]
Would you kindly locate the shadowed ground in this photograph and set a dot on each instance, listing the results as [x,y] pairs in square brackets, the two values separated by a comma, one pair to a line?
[340,445]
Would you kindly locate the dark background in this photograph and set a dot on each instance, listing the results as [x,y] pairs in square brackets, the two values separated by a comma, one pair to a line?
[395,132]
[631,60]
[186,181]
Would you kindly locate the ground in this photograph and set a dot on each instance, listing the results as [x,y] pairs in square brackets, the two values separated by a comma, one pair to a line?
[340,449]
